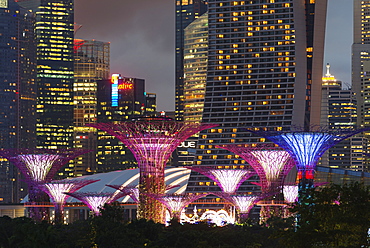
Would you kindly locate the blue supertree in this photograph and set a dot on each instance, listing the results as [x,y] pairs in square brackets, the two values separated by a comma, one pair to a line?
[306,146]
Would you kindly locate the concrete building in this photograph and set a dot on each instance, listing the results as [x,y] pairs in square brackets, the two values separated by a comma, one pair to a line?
[265,61]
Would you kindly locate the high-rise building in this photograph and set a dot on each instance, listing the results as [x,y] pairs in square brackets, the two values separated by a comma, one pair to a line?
[186,12]
[55,58]
[91,65]
[339,110]
[265,61]
[17,92]
[195,68]
[120,99]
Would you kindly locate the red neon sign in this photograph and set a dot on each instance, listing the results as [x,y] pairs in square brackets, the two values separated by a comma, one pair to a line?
[126,86]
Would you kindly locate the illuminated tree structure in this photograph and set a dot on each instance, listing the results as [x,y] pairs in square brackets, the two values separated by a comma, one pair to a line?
[271,163]
[306,148]
[56,191]
[96,200]
[290,193]
[175,203]
[242,203]
[229,180]
[152,143]
[39,166]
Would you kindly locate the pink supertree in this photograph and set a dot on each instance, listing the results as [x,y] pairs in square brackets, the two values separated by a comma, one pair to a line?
[39,166]
[242,202]
[229,180]
[152,143]
[56,191]
[290,193]
[271,163]
[96,200]
[175,203]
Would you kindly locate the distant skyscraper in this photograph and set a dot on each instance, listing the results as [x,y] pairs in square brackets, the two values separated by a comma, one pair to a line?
[55,58]
[119,99]
[195,68]
[186,12]
[91,65]
[17,92]
[265,65]
[338,109]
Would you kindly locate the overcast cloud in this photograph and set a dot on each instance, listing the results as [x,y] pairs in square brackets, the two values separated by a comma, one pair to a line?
[142,36]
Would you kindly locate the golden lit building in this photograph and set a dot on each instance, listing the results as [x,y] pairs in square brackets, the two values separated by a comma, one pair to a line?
[91,65]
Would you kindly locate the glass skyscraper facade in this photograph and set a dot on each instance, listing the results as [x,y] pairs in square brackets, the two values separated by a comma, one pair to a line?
[55,59]
[91,65]
[186,12]
[195,68]
[265,61]
[17,93]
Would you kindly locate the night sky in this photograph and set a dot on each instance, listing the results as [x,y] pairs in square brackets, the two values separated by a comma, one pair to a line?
[142,36]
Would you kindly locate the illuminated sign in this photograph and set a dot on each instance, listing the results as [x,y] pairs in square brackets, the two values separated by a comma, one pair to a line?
[126,86]
[3,3]
[188,144]
[114,80]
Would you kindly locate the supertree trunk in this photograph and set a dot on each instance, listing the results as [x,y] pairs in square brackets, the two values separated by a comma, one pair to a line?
[58,213]
[151,183]
[37,197]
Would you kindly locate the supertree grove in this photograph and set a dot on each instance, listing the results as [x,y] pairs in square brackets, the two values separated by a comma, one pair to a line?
[175,203]
[56,191]
[271,163]
[306,147]
[96,200]
[39,166]
[229,180]
[152,143]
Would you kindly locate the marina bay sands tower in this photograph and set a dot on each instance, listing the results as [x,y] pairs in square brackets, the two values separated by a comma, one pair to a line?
[265,63]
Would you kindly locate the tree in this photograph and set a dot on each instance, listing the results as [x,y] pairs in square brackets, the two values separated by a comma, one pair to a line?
[334,216]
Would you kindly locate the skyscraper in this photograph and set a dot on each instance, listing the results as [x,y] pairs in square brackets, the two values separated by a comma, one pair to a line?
[195,68]
[338,110]
[265,62]
[186,12]
[17,92]
[91,65]
[55,58]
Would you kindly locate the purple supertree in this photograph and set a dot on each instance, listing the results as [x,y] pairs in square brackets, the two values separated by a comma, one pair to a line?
[271,163]
[39,166]
[152,143]
[306,147]
[229,180]
[175,203]
[243,203]
[56,191]
[96,200]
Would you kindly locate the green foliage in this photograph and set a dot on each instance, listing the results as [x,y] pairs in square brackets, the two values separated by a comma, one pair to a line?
[334,216]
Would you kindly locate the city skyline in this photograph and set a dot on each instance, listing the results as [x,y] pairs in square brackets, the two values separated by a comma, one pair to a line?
[151,53]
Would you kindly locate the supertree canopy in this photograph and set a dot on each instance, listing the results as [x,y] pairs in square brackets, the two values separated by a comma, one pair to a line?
[152,143]
[307,146]
[271,163]
[130,190]
[39,166]
[96,200]
[175,203]
[57,189]
[243,203]
[290,193]
[229,180]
